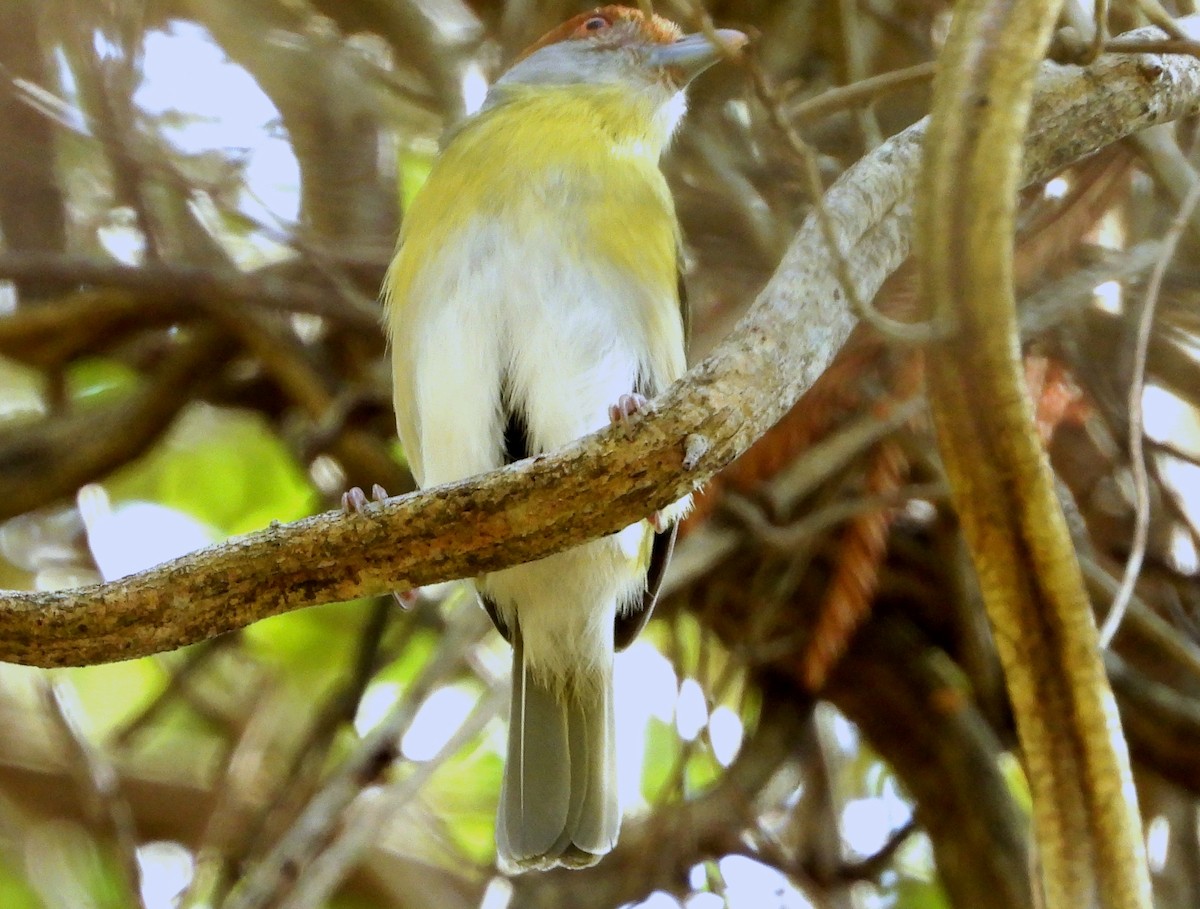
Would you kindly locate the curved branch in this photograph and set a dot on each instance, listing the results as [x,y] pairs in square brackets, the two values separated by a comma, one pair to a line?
[1162,723]
[171,285]
[49,460]
[605,481]
[32,207]
[1084,803]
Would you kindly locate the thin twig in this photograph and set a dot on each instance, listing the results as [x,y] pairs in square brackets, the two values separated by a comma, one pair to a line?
[860,92]
[1171,168]
[177,682]
[313,828]
[49,460]
[1100,26]
[894,329]
[852,55]
[822,459]
[813,525]
[100,784]
[184,283]
[872,866]
[1158,15]
[300,773]
[1137,385]
[1166,46]
[319,879]
[1051,304]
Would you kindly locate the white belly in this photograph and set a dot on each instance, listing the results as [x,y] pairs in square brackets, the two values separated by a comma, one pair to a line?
[535,326]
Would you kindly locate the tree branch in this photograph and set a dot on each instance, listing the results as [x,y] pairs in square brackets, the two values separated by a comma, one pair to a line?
[51,459]
[1084,804]
[605,481]
[897,688]
[174,286]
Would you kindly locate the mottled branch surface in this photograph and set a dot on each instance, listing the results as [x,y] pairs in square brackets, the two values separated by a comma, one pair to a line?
[1084,805]
[605,481]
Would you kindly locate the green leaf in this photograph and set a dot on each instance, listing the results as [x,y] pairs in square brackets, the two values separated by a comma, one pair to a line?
[99,380]
[225,467]
[1018,783]
[702,769]
[397,452]
[662,755]
[915,894]
[314,645]
[346,899]
[404,668]
[15,892]
[71,869]
[111,693]
[465,790]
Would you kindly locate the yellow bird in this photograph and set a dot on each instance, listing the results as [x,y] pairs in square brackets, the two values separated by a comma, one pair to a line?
[532,300]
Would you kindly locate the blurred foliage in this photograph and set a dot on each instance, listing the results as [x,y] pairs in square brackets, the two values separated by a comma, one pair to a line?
[225,468]
[111,213]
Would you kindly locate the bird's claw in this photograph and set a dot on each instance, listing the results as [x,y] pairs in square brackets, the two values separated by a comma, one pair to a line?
[626,407]
[354,501]
[620,413]
[405,599]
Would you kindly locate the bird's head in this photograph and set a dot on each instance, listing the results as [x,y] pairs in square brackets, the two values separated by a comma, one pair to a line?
[616,46]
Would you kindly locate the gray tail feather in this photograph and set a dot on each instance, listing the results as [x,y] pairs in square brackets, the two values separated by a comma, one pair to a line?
[558,802]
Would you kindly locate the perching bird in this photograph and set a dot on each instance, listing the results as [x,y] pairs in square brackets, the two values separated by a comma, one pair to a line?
[533,298]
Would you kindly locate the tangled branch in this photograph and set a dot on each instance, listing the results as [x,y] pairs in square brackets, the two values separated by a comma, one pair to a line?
[603,482]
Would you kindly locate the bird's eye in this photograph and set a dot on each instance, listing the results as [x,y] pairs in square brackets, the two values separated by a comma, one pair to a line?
[595,23]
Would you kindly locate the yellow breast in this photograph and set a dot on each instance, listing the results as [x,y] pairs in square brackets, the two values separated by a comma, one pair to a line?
[577,164]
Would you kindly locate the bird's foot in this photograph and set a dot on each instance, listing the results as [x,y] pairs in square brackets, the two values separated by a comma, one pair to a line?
[626,407]
[619,414]
[354,501]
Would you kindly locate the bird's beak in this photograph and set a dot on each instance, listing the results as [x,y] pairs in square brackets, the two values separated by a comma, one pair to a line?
[693,54]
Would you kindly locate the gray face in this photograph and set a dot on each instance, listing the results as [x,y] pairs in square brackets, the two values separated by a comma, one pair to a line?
[618,56]
[624,55]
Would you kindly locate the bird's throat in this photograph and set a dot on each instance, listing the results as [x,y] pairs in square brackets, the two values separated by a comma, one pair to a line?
[546,121]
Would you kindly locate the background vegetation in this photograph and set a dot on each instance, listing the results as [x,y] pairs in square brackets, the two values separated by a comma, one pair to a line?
[190,350]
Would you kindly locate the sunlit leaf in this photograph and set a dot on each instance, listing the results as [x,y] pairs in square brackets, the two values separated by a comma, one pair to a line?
[69,868]
[1018,784]
[348,899]
[15,892]
[414,167]
[404,668]
[99,380]
[702,769]
[20,391]
[111,693]
[913,894]
[662,756]
[315,645]
[465,791]
[226,468]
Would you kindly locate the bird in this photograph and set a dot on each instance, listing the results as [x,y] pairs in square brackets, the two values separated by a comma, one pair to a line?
[535,298]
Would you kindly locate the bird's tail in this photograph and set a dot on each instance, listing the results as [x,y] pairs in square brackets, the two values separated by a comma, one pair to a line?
[558,802]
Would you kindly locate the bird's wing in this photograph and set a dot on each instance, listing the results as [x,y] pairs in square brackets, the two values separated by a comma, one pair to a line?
[403,393]
[685,312]
[629,625]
